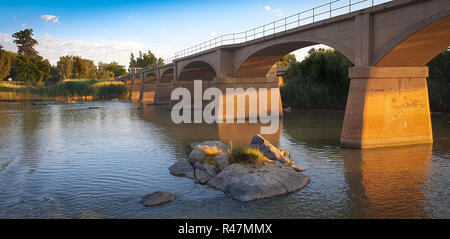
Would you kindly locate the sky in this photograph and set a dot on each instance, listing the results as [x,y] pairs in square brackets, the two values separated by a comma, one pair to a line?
[110,30]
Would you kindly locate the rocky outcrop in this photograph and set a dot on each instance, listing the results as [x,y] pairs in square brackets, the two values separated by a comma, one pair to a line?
[267,149]
[248,183]
[182,168]
[243,182]
[158,198]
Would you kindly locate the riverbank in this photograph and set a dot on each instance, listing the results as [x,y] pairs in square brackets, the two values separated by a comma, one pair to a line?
[65,91]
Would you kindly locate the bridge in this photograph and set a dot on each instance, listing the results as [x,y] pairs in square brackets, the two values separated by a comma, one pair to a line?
[389,45]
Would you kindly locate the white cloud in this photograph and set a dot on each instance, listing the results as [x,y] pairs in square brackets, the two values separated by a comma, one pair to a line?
[277,11]
[51,18]
[52,48]
[213,34]
[164,30]
[23,25]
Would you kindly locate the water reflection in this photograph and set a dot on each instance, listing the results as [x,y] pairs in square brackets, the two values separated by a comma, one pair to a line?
[98,159]
[389,182]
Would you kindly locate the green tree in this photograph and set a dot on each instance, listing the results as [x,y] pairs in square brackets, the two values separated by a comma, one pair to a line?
[321,80]
[65,67]
[117,69]
[439,82]
[7,60]
[287,60]
[25,70]
[79,69]
[132,61]
[103,73]
[25,42]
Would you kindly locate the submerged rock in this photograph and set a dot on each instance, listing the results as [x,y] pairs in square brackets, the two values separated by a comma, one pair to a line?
[182,168]
[158,198]
[247,183]
[267,149]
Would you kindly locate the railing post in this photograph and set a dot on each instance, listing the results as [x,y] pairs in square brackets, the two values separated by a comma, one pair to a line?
[285,24]
[298,19]
[274,28]
[264,30]
[349,6]
[313,14]
[330,9]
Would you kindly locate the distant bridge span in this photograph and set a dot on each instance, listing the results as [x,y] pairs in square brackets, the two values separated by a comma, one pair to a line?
[389,45]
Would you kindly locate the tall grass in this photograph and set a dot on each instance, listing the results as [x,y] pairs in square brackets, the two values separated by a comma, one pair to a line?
[81,89]
[247,156]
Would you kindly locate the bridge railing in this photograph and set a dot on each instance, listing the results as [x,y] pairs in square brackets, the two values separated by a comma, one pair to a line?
[319,13]
[322,12]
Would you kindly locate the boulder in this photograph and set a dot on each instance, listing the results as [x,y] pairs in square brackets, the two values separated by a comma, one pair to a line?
[222,161]
[158,198]
[204,172]
[182,168]
[213,145]
[267,149]
[246,182]
[196,155]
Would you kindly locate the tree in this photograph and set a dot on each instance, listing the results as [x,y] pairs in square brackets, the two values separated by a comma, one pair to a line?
[65,67]
[321,80]
[103,73]
[132,61]
[287,60]
[117,69]
[25,42]
[7,60]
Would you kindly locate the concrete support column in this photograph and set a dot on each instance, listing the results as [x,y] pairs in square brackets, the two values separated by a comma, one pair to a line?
[387,106]
[141,92]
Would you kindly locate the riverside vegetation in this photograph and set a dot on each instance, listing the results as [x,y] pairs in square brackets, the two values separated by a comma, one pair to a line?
[321,81]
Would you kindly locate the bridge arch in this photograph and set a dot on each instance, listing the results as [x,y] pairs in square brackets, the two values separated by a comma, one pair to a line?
[257,60]
[150,77]
[418,44]
[197,70]
[167,76]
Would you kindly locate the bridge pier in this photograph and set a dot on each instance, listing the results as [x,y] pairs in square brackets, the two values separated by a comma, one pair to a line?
[387,106]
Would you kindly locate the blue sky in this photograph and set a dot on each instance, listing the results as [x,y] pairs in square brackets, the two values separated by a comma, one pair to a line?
[110,30]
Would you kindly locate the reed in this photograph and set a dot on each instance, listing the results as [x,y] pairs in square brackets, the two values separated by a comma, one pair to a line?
[69,90]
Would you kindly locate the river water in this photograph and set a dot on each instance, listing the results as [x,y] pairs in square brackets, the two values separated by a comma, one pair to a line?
[98,159]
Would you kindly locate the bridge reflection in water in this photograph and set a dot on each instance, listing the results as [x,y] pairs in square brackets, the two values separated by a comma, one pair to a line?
[391,182]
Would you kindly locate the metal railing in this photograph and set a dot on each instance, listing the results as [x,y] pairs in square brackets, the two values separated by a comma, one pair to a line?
[319,13]
[322,12]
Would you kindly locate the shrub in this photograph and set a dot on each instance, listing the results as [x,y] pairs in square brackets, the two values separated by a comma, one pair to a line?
[247,156]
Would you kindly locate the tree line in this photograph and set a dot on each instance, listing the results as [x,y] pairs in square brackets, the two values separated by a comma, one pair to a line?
[145,60]
[28,66]
[321,80]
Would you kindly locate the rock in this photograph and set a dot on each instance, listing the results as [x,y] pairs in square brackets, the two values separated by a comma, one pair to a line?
[204,172]
[267,149]
[213,145]
[298,169]
[158,198]
[182,168]
[196,155]
[247,183]
[222,161]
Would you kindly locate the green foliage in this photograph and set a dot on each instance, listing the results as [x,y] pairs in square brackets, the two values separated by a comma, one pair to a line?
[115,68]
[30,69]
[287,60]
[7,60]
[25,42]
[321,80]
[65,90]
[103,73]
[145,60]
[247,156]
[65,67]
[439,82]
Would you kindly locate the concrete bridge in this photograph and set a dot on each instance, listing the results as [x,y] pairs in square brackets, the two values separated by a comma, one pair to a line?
[389,45]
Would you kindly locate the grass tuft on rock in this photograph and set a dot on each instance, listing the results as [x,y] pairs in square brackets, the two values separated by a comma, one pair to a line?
[247,156]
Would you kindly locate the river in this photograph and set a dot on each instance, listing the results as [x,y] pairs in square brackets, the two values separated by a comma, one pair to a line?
[98,159]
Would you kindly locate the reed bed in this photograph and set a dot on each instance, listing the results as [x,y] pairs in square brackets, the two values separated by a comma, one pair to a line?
[68,90]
